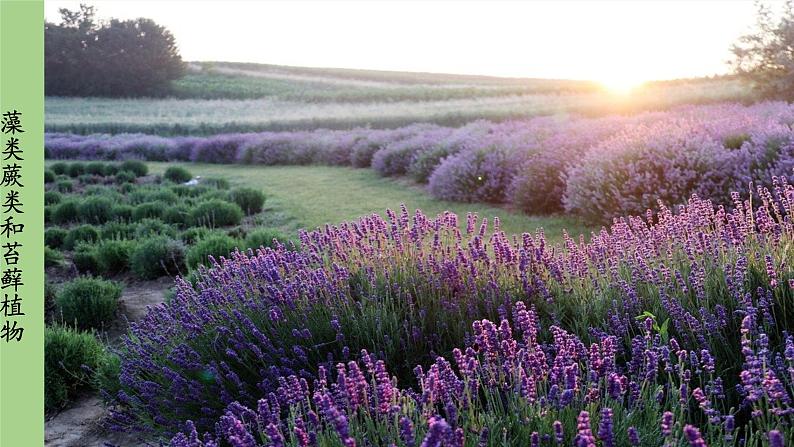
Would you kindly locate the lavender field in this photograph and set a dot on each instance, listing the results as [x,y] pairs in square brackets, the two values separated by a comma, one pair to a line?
[594,168]
[263,255]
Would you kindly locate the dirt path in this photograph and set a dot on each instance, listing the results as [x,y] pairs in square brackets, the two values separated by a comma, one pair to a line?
[80,424]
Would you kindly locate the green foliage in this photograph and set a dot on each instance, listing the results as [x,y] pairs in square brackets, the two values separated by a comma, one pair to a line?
[763,57]
[85,259]
[69,358]
[248,199]
[64,185]
[95,209]
[52,257]
[113,255]
[137,167]
[264,237]
[76,169]
[118,230]
[153,227]
[216,213]
[122,212]
[52,197]
[49,176]
[106,376]
[216,245]
[88,302]
[216,182]
[126,58]
[157,256]
[149,210]
[177,174]
[193,234]
[65,212]
[59,168]
[54,237]
[95,168]
[177,215]
[110,170]
[82,233]
[162,195]
[123,177]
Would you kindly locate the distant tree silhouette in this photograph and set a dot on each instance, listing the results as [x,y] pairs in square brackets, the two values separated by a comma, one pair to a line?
[119,58]
[765,57]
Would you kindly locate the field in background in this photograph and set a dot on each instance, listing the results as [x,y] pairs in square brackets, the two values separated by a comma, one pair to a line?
[312,196]
[227,97]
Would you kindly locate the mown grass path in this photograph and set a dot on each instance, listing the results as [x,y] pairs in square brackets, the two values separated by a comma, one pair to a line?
[311,196]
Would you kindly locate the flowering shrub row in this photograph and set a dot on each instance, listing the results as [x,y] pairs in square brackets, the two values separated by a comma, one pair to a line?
[511,387]
[703,290]
[599,168]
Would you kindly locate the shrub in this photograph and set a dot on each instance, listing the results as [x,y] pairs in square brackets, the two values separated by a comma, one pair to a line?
[157,256]
[88,302]
[82,233]
[59,168]
[65,212]
[153,227]
[218,149]
[106,376]
[193,234]
[405,286]
[95,209]
[113,255]
[54,237]
[76,169]
[178,215]
[64,185]
[85,259]
[96,168]
[49,176]
[47,214]
[633,172]
[69,358]
[216,246]
[137,167]
[110,170]
[248,199]
[52,197]
[118,230]
[215,182]
[474,176]
[149,210]
[162,195]
[265,237]
[122,212]
[216,213]
[124,177]
[177,174]
[52,257]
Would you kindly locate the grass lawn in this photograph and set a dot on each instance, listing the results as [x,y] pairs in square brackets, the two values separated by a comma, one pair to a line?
[311,196]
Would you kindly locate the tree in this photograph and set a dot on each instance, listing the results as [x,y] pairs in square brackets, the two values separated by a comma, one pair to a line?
[118,58]
[765,57]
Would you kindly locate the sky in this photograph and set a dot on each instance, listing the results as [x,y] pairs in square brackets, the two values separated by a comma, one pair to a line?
[618,42]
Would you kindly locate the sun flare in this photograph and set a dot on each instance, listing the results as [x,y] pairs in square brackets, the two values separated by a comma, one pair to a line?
[621,85]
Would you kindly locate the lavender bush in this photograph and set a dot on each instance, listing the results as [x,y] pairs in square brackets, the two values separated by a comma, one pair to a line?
[599,168]
[649,316]
[512,386]
[479,175]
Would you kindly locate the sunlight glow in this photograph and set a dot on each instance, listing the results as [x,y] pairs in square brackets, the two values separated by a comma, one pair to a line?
[621,84]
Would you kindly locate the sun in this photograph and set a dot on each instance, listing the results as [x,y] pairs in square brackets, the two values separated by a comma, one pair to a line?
[621,84]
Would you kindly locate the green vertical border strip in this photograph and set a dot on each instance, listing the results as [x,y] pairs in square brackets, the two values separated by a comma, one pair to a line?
[22,88]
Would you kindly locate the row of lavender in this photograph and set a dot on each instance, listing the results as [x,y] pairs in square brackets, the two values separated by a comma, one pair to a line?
[673,330]
[598,168]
